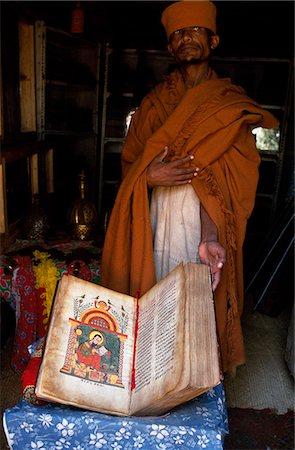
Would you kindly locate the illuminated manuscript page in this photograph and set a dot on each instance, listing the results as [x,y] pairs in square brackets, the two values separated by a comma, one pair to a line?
[77,299]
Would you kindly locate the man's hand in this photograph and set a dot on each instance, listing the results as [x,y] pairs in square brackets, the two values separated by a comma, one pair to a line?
[161,173]
[213,254]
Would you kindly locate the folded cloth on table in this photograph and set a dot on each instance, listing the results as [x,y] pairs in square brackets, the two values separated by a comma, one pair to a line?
[200,424]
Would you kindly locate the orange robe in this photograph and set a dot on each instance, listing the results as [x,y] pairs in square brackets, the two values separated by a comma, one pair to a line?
[212,121]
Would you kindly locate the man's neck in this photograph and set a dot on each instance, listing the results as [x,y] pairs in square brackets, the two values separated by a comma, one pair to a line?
[194,73]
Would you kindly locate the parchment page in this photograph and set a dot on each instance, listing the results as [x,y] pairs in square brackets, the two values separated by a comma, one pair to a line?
[201,363]
[89,348]
[160,342]
[205,364]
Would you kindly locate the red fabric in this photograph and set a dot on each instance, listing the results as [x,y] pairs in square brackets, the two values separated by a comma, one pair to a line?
[26,326]
[30,375]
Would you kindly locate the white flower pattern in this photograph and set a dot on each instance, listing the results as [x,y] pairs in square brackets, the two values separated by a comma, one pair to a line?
[159,431]
[97,440]
[61,444]
[66,428]
[138,441]
[46,420]
[28,427]
[178,439]
[203,439]
[117,446]
[38,445]
[199,424]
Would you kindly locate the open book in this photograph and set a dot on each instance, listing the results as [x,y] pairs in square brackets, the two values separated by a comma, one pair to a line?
[113,353]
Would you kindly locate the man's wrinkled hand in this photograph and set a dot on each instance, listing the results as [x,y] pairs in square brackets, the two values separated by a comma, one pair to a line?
[172,173]
[213,255]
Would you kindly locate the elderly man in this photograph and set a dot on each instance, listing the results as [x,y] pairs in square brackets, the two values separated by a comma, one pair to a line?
[190,172]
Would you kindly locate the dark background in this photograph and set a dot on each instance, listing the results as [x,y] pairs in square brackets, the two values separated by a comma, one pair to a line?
[246,28]
[249,31]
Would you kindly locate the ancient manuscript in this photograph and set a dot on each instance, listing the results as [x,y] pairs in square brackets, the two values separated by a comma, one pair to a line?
[116,354]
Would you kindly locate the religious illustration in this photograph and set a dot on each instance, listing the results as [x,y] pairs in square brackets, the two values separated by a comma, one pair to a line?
[96,341]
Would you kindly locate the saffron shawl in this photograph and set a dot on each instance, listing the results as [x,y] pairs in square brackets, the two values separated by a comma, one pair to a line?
[213,122]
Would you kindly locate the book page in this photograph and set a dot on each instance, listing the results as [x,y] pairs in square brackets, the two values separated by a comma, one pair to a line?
[89,348]
[201,369]
[160,341]
[205,364]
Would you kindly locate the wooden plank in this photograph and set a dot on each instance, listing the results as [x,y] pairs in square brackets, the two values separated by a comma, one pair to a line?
[49,172]
[1,99]
[27,77]
[34,174]
[22,150]
[3,222]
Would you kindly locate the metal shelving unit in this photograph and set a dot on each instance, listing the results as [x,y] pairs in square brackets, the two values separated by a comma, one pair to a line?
[67,73]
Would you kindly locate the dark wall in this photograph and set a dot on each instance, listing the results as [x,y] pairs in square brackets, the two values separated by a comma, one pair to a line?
[246,28]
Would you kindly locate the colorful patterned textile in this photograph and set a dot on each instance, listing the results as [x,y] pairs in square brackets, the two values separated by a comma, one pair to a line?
[30,374]
[73,256]
[26,312]
[29,273]
[199,424]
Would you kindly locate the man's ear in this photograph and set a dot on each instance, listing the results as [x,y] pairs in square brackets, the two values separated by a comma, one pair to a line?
[214,41]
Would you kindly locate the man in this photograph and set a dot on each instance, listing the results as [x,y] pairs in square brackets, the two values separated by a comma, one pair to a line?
[91,351]
[190,146]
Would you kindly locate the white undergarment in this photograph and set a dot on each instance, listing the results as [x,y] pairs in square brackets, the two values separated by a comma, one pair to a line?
[175,219]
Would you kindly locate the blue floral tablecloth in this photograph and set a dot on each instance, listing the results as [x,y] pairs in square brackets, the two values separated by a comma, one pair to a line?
[199,424]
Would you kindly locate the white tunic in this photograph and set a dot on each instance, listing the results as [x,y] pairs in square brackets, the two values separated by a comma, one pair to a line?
[176,224]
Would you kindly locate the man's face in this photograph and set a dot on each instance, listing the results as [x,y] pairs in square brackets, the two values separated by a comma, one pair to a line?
[191,44]
[97,340]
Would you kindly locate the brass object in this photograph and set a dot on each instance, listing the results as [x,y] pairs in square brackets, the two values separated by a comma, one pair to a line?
[35,225]
[83,215]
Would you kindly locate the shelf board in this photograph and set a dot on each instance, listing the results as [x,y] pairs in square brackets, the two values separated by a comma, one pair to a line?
[269,155]
[120,94]
[262,195]
[51,82]
[70,38]
[112,182]
[282,108]
[114,139]
[113,151]
[113,146]
[89,134]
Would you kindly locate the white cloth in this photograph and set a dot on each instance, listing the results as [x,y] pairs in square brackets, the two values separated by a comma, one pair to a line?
[176,224]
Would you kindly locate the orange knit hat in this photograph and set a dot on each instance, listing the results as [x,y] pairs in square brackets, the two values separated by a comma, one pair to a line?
[187,14]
